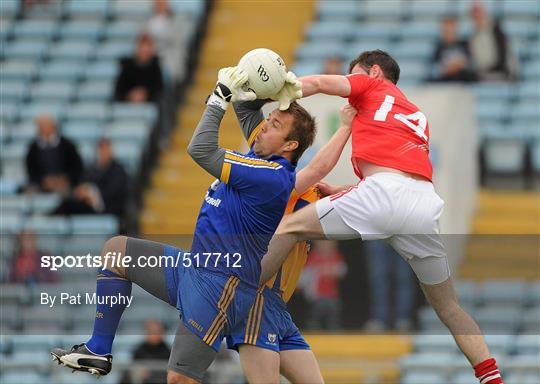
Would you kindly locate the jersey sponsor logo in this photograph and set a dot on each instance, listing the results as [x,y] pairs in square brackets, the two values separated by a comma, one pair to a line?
[196,325]
[212,201]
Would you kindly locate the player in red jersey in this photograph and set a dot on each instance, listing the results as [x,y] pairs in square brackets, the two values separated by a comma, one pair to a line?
[395,199]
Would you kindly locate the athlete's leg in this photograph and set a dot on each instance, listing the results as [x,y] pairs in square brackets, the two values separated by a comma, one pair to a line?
[190,358]
[300,366]
[260,365]
[315,221]
[466,332]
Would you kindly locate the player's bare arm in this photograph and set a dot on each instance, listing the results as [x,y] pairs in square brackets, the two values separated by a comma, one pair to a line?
[327,157]
[335,85]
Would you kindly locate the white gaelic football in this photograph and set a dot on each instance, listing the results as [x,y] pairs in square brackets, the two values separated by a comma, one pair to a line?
[266,71]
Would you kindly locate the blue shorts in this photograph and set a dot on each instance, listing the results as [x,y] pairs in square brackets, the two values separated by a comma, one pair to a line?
[268,326]
[210,304]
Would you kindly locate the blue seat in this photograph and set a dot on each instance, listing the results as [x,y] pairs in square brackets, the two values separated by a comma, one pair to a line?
[530,70]
[60,70]
[356,47]
[9,111]
[127,111]
[421,9]
[23,132]
[531,320]
[533,289]
[527,344]
[320,50]
[467,292]
[391,9]
[56,109]
[128,129]
[303,68]
[79,131]
[421,49]
[413,70]
[87,151]
[94,224]
[5,29]
[95,91]
[101,70]
[26,49]
[427,363]
[14,151]
[371,30]
[15,205]
[331,30]
[463,378]
[526,109]
[48,225]
[9,185]
[81,30]
[13,175]
[491,109]
[13,90]
[522,378]
[98,112]
[87,9]
[9,7]
[125,30]
[504,155]
[43,203]
[520,28]
[529,90]
[131,9]
[423,378]
[332,10]
[18,376]
[194,8]
[73,50]
[435,344]
[424,29]
[18,69]
[30,29]
[520,8]
[52,90]
[503,292]
[504,320]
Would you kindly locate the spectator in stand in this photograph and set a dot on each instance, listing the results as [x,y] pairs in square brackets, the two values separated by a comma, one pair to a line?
[489,47]
[152,349]
[384,264]
[140,79]
[26,264]
[451,59]
[103,189]
[325,268]
[52,161]
[167,29]
[333,66]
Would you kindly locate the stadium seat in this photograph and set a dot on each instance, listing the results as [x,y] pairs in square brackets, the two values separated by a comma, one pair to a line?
[52,90]
[13,293]
[127,111]
[87,9]
[9,111]
[428,9]
[435,344]
[421,49]
[331,10]
[18,377]
[330,30]
[43,203]
[14,91]
[533,291]
[88,112]
[304,68]
[320,50]
[26,49]
[9,7]
[530,70]
[30,29]
[527,344]
[467,292]
[440,363]
[14,151]
[72,50]
[356,47]
[379,30]
[131,9]
[90,30]
[89,131]
[60,70]
[95,91]
[505,155]
[376,10]
[419,30]
[463,378]
[423,378]
[526,110]
[522,378]
[32,110]
[531,320]
[94,225]
[191,8]
[14,69]
[529,91]
[48,225]
[27,343]
[81,245]
[499,319]
[125,30]
[101,71]
[9,185]
[15,205]
[128,129]
[520,8]
[500,292]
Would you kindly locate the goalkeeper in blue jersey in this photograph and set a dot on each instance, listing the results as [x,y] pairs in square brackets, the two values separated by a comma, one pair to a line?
[239,214]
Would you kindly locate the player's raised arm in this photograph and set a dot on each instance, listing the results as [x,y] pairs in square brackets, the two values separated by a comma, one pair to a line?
[327,157]
[204,148]
[335,85]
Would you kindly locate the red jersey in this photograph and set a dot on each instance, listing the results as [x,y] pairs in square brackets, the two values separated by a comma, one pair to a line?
[388,129]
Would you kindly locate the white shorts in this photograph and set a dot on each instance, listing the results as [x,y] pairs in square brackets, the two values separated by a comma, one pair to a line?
[402,210]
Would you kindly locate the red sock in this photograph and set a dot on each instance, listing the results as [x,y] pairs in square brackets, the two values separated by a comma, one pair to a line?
[487,372]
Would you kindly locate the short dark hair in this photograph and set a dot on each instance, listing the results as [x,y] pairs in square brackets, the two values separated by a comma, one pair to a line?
[303,129]
[387,63]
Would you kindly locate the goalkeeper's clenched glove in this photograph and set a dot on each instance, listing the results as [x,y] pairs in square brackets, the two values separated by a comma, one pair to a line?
[291,91]
[229,88]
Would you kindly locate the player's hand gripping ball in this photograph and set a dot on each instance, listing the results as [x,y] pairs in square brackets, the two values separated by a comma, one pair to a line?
[266,72]
[291,91]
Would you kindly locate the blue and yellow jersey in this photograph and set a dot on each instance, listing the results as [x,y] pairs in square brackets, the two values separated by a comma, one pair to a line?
[286,279]
[241,212]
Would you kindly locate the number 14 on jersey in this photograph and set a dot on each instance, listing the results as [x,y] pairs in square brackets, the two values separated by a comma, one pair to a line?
[416,121]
